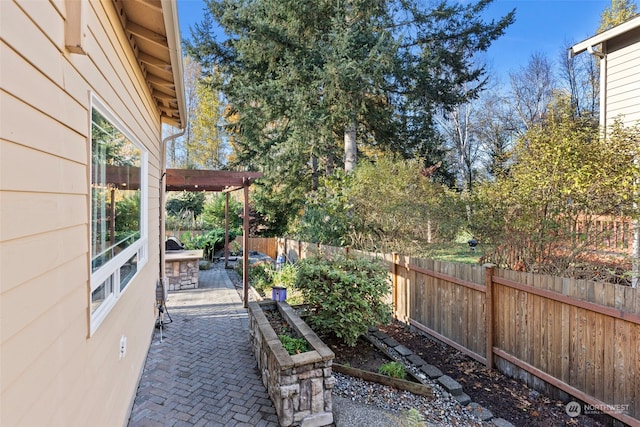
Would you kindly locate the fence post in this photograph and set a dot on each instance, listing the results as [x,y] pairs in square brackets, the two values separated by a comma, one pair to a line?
[488,298]
[394,280]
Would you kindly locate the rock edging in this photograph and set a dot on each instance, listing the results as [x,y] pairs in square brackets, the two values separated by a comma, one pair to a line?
[429,374]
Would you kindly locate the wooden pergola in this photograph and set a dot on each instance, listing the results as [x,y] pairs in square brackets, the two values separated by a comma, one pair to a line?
[218,181]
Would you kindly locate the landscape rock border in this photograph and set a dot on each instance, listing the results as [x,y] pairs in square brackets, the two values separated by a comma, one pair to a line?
[430,375]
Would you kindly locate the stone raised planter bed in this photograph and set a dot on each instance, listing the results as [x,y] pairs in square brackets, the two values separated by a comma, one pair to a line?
[299,385]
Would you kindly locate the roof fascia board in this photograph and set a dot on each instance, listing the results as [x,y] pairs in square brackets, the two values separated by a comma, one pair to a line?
[603,37]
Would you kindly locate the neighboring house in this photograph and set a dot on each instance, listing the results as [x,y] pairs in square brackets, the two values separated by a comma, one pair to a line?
[85,88]
[619,51]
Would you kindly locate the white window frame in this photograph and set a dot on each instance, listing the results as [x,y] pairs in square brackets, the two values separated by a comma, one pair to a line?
[111,269]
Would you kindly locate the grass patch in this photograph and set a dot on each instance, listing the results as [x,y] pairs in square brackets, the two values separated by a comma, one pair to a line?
[456,252]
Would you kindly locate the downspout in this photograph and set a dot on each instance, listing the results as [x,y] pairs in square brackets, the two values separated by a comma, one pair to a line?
[161,197]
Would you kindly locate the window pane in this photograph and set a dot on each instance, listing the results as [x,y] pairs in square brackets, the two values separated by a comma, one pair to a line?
[115,191]
[128,270]
[100,294]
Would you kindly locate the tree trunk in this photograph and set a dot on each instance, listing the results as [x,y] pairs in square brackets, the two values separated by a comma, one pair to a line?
[350,148]
[314,172]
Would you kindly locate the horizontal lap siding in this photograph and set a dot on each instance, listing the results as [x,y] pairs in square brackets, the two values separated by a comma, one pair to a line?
[48,361]
[623,79]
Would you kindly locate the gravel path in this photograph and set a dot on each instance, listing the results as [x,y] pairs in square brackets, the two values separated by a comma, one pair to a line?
[441,410]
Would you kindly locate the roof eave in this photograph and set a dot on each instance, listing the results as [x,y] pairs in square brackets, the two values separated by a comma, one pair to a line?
[604,36]
[170,16]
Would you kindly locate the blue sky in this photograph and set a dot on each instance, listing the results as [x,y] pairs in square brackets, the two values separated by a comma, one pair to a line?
[543,26]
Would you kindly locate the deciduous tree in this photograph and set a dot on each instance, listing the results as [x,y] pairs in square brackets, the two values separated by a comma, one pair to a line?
[619,12]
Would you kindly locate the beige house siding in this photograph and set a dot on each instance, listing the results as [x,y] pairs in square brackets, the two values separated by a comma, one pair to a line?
[623,78]
[52,372]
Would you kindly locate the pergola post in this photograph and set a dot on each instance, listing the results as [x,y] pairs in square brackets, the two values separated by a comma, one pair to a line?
[226,232]
[245,244]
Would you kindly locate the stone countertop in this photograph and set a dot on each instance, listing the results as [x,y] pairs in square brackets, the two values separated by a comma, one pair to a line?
[183,255]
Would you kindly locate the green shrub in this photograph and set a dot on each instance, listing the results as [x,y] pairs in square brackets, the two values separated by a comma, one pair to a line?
[210,242]
[344,294]
[293,345]
[393,369]
[260,276]
[286,276]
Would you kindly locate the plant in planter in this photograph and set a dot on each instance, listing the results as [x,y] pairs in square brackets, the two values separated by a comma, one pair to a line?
[393,369]
[345,294]
[293,345]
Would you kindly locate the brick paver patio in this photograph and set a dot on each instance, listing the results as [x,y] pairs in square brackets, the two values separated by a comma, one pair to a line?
[203,372]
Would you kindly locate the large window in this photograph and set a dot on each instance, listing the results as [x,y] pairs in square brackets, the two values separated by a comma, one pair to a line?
[118,219]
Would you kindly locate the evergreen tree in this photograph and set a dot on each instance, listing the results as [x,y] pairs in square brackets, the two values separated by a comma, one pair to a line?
[299,76]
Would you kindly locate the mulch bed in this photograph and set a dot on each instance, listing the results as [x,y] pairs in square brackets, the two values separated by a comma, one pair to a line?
[504,397]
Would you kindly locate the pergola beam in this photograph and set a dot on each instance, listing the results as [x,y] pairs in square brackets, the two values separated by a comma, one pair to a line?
[208,180]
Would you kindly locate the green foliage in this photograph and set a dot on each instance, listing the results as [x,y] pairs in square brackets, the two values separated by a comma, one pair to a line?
[456,252]
[620,11]
[326,215]
[415,418]
[393,369]
[293,345]
[345,294]
[205,145]
[398,208]
[386,205]
[263,276]
[565,171]
[286,276]
[213,214]
[128,213]
[186,201]
[184,220]
[210,242]
[296,74]
[260,276]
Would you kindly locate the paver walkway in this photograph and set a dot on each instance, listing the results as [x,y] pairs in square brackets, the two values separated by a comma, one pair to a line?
[203,372]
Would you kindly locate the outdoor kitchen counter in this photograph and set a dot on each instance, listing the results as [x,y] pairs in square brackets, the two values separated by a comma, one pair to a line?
[182,269]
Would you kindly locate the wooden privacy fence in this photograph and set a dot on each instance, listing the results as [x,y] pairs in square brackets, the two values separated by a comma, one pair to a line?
[578,336]
[266,245]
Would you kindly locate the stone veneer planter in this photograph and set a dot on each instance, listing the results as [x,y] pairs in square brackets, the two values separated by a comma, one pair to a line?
[299,385]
